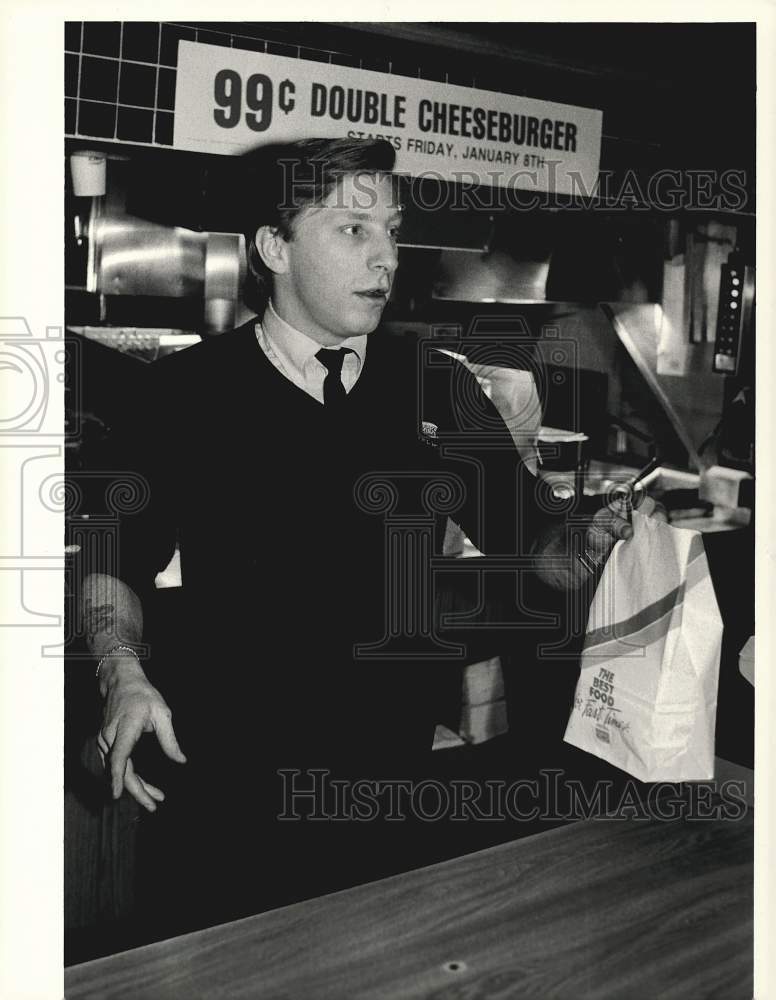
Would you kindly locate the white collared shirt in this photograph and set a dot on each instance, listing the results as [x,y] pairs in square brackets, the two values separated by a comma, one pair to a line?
[293,354]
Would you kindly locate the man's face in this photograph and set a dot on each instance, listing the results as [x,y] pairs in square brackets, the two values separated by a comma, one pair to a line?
[340,261]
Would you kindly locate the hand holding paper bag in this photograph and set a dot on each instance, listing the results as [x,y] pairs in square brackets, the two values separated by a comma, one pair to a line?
[646,698]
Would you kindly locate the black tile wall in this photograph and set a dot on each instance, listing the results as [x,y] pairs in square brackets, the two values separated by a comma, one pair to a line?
[282,49]
[99,79]
[163,134]
[71,75]
[140,41]
[213,38]
[381,65]
[135,125]
[171,35]
[340,59]
[460,77]
[165,89]
[102,38]
[96,119]
[72,36]
[251,44]
[71,110]
[273,31]
[314,54]
[137,85]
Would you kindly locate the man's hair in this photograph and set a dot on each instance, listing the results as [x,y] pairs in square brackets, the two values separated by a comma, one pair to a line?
[280,181]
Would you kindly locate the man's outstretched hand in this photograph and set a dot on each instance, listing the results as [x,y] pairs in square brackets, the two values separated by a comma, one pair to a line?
[132,707]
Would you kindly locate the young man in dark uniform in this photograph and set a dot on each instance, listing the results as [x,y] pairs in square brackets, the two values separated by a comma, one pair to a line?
[277,455]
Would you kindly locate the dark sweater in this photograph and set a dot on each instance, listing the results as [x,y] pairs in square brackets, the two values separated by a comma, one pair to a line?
[284,556]
[283,509]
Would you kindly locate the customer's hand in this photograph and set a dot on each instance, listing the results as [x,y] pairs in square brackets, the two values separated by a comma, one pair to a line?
[132,707]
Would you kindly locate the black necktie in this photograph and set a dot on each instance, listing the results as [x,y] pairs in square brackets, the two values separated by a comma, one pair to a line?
[333,389]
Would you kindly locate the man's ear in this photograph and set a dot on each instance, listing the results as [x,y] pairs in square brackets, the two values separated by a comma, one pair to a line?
[272,248]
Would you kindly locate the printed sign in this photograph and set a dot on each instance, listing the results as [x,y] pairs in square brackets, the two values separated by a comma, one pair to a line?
[228,100]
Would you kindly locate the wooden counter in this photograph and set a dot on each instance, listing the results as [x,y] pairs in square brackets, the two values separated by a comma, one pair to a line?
[598,909]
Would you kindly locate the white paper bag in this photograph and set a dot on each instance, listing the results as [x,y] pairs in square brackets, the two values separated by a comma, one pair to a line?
[646,699]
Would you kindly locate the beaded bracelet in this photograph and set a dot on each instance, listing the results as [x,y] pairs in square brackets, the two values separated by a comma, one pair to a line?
[114,649]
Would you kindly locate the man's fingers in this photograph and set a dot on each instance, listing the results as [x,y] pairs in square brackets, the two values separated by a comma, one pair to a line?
[145,793]
[136,787]
[608,526]
[167,740]
[612,524]
[156,793]
[108,731]
[620,527]
[127,736]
